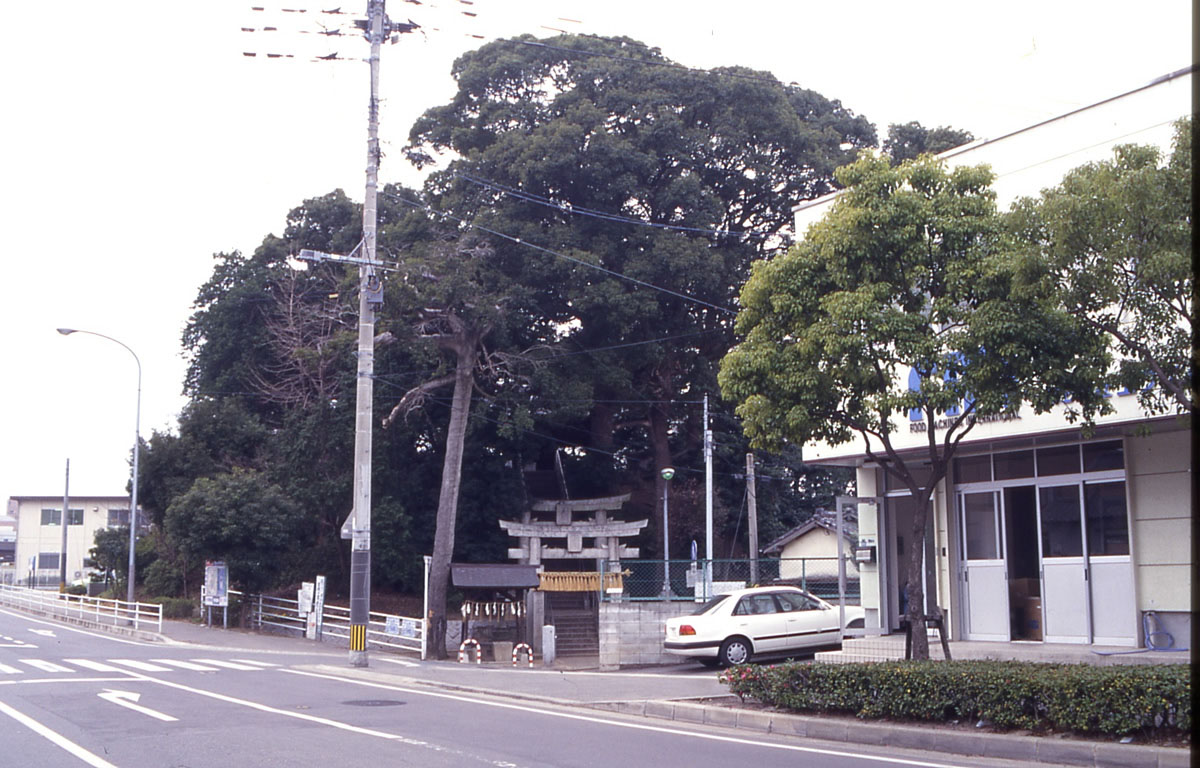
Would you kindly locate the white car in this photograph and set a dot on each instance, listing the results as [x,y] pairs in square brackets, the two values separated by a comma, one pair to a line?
[762,621]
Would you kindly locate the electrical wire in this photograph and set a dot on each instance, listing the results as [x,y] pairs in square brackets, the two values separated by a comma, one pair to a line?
[572,259]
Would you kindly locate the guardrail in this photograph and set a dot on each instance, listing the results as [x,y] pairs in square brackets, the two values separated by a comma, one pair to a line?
[98,610]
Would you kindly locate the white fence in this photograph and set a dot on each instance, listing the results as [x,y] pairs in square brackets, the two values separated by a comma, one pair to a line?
[96,610]
[385,632]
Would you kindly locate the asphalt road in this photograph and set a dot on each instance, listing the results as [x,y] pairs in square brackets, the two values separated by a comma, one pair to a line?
[71,697]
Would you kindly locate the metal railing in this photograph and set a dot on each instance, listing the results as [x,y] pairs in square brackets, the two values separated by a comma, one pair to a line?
[384,631]
[97,610]
[644,579]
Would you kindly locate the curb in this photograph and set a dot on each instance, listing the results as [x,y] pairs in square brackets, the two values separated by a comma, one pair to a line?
[1028,749]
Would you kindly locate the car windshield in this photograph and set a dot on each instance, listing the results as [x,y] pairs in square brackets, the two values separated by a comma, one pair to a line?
[712,603]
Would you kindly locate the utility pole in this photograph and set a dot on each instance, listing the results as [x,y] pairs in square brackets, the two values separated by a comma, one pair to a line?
[62,558]
[752,507]
[708,505]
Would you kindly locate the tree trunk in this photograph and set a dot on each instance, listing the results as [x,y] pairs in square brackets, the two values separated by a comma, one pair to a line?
[916,593]
[447,511]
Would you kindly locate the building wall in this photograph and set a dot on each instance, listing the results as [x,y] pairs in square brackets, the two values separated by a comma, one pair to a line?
[1159,479]
[33,538]
[819,544]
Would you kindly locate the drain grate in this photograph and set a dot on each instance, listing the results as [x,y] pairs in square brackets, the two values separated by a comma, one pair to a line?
[373,703]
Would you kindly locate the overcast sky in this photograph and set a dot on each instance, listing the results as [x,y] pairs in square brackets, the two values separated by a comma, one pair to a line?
[138,141]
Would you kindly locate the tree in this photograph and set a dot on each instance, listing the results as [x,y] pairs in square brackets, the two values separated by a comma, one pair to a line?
[907,276]
[240,518]
[1115,241]
[640,192]
[908,141]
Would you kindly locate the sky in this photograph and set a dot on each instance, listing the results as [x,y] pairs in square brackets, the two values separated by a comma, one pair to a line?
[138,141]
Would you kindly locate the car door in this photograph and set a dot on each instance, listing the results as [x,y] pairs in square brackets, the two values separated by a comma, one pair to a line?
[758,618]
[807,622]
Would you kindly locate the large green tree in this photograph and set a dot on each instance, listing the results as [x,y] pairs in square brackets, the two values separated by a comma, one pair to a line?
[639,191]
[1114,239]
[908,141]
[907,276]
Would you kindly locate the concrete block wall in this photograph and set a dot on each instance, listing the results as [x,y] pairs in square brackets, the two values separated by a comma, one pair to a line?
[631,633]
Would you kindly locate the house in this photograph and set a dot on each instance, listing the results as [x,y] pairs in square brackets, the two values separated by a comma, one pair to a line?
[39,533]
[804,549]
[1043,533]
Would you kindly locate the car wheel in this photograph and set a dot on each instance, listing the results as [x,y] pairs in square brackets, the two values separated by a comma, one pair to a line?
[856,624]
[735,650]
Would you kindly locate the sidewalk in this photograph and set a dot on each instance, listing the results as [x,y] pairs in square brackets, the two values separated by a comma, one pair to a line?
[681,693]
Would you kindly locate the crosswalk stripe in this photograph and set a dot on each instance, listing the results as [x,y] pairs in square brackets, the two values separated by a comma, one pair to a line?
[4,668]
[45,666]
[142,665]
[255,663]
[185,665]
[228,664]
[94,665]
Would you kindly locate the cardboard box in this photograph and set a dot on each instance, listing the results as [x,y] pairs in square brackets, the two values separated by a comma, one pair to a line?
[1031,618]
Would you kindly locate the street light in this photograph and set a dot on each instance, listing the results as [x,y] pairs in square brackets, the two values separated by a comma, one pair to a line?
[137,435]
[666,473]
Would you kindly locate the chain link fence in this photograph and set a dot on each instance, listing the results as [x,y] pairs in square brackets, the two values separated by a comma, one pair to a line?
[685,579]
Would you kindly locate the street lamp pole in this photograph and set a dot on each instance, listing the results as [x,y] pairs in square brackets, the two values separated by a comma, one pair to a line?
[137,439]
[667,473]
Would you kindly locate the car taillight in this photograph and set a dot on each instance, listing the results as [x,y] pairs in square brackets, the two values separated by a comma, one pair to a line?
[687,629]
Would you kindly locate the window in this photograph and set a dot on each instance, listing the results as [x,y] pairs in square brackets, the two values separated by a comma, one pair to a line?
[48,561]
[54,517]
[1107,523]
[117,517]
[1060,460]
[755,604]
[973,469]
[1098,457]
[1061,527]
[793,601]
[979,523]
[1011,466]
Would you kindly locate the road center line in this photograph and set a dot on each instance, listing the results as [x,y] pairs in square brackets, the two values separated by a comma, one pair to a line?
[56,738]
[634,726]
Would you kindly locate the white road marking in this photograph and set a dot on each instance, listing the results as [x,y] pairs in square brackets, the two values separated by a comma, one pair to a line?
[98,666]
[634,726]
[45,666]
[229,665]
[43,632]
[4,668]
[56,738]
[71,629]
[401,662]
[128,699]
[142,665]
[61,680]
[255,663]
[185,665]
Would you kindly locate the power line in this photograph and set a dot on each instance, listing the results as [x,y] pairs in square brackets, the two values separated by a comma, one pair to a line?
[563,256]
[579,210]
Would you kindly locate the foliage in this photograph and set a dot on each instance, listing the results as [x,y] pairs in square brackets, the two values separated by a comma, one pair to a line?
[1112,700]
[1114,239]
[163,578]
[907,280]
[110,554]
[908,141]
[239,518]
[175,607]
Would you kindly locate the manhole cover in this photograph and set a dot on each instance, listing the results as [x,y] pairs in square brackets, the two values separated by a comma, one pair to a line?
[374,703]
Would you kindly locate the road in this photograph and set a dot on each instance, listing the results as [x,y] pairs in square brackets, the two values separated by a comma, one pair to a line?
[72,697]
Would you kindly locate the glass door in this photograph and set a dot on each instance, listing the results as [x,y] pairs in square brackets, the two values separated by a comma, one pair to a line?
[1064,566]
[984,573]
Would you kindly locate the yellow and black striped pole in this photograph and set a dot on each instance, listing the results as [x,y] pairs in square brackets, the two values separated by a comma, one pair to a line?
[358,637]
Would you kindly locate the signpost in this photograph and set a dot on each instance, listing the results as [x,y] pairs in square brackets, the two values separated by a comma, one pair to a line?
[216,589]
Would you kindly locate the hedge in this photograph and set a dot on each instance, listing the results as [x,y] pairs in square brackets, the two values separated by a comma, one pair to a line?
[1155,700]
[175,607]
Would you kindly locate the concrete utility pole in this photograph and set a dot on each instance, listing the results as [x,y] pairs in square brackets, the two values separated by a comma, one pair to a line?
[752,507]
[62,558]
[708,506]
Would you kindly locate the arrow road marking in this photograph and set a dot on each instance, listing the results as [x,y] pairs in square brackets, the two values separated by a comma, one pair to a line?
[43,632]
[128,699]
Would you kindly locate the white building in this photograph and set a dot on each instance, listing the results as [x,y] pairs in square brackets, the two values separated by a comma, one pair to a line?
[39,533]
[1041,534]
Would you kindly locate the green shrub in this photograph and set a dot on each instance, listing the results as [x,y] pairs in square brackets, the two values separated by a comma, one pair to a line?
[75,589]
[163,578]
[175,607]
[1113,700]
